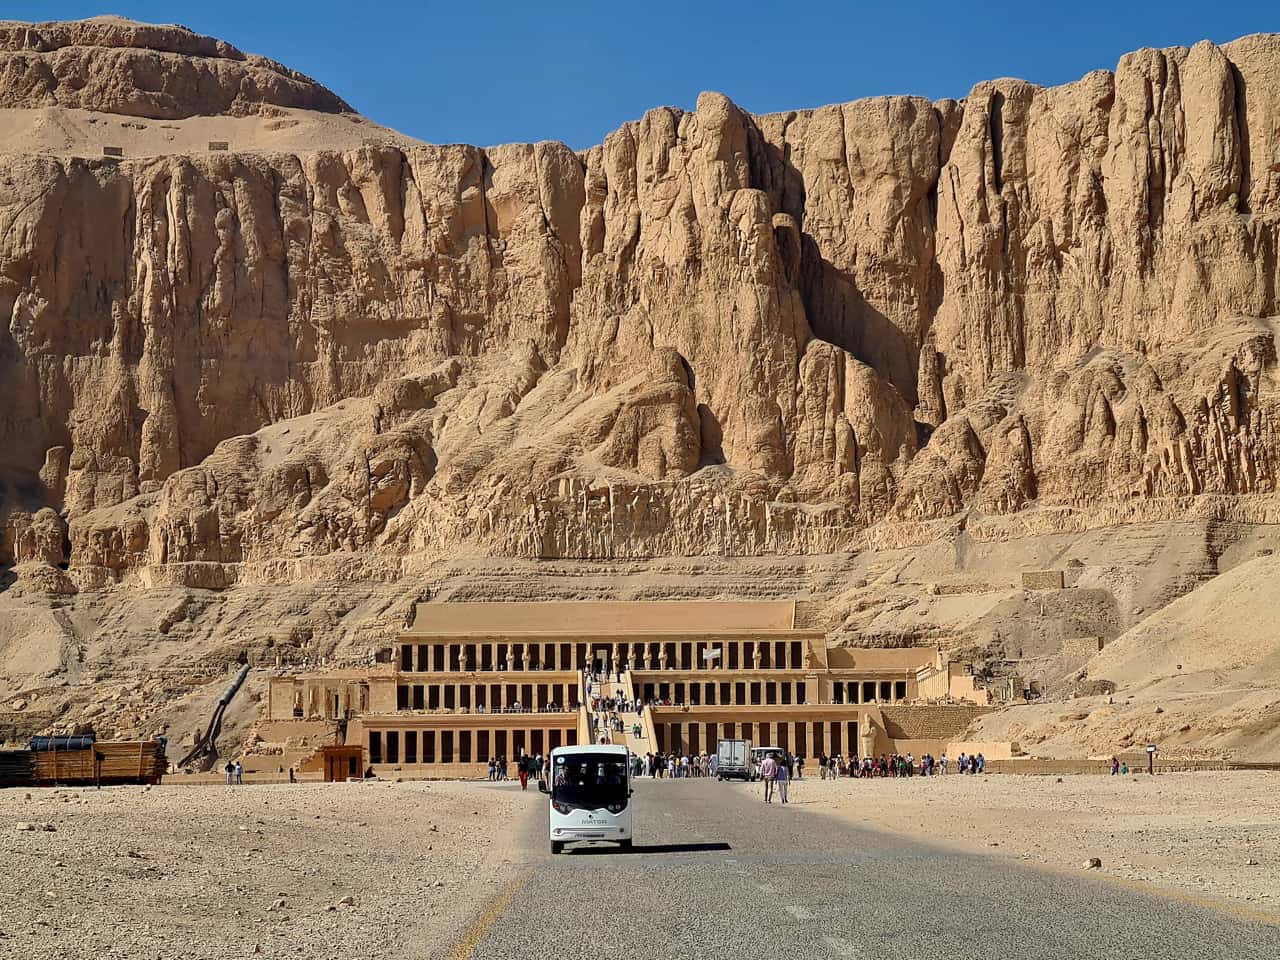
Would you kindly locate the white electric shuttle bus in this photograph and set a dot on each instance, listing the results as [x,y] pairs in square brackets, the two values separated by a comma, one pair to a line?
[590,789]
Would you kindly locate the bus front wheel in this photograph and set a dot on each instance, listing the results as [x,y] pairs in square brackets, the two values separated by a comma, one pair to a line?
[557,846]
[625,844]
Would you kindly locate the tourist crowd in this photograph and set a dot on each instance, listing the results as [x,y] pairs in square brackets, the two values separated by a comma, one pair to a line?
[897,765]
[674,766]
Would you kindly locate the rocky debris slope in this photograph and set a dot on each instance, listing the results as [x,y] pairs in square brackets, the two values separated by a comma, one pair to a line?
[713,333]
[1197,677]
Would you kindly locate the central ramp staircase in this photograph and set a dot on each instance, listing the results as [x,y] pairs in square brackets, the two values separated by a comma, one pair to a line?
[640,743]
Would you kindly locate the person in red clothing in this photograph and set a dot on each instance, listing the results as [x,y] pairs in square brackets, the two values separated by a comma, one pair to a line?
[523,764]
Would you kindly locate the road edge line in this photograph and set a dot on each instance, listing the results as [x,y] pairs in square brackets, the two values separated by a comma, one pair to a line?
[467,943]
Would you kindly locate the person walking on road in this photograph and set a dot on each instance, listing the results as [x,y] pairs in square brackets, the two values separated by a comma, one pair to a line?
[523,766]
[769,774]
[783,776]
[239,774]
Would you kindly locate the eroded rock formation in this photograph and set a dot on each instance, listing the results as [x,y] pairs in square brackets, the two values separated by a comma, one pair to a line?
[163,73]
[713,333]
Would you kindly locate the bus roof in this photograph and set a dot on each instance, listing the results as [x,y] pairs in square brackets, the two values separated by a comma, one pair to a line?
[612,748]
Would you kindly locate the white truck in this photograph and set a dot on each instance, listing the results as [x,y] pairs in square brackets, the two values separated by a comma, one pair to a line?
[733,759]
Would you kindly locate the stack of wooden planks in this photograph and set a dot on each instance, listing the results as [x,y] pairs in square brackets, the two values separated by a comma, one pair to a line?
[129,761]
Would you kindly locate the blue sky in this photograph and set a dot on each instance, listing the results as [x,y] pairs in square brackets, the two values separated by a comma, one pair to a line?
[497,71]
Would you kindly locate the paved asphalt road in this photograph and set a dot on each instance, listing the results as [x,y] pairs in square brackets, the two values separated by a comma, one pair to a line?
[716,873]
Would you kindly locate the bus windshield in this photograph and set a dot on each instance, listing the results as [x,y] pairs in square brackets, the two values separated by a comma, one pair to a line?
[590,780]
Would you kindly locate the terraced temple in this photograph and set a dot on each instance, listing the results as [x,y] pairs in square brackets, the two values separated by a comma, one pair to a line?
[468,681]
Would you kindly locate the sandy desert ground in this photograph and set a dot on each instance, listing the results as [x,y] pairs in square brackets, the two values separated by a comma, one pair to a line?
[1213,837]
[204,872]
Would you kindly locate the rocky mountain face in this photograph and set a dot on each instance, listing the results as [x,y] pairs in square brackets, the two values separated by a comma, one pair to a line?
[140,70]
[1034,309]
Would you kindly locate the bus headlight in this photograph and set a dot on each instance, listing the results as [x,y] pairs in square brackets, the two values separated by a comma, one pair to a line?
[559,807]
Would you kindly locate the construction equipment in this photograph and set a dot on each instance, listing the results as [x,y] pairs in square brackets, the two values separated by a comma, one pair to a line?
[205,752]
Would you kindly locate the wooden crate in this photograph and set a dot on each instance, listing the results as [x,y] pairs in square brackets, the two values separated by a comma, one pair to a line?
[128,761]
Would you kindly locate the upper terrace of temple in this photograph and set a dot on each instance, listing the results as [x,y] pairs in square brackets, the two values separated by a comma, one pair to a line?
[598,619]
[643,636]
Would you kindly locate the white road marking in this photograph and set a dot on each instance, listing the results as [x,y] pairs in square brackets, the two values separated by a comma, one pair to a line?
[800,913]
[841,947]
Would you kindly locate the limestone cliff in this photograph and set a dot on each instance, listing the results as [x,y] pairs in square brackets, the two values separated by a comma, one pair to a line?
[713,333]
